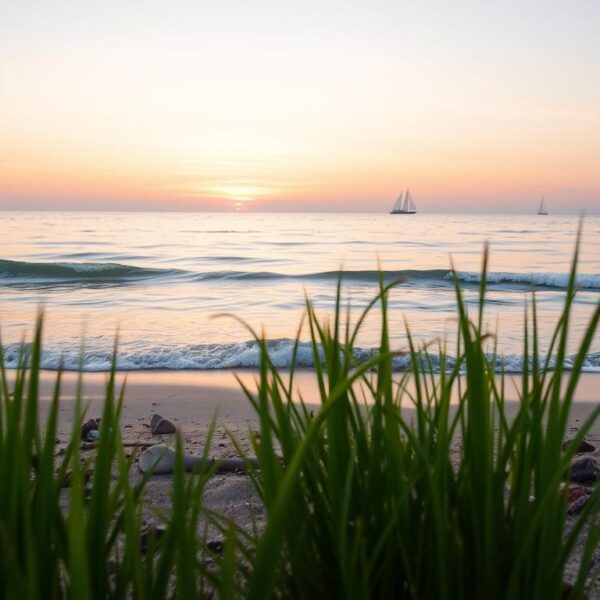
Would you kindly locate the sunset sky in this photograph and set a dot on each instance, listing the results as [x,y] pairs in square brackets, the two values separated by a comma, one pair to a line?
[299,106]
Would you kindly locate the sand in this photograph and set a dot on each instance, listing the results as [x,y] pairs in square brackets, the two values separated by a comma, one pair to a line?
[191,399]
[194,397]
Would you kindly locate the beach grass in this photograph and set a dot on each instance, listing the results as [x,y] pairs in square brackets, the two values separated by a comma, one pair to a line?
[367,500]
[433,490]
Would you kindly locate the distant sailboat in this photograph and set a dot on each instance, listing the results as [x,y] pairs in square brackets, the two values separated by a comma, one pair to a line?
[404,205]
[543,210]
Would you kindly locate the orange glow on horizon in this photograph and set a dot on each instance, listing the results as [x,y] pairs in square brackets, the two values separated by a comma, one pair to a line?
[273,108]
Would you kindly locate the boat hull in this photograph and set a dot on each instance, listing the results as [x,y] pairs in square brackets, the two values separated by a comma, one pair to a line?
[403,212]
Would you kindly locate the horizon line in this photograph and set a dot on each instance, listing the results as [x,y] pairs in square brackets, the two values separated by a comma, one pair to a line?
[291,212]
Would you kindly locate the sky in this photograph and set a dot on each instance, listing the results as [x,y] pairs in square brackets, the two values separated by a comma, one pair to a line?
[307,106]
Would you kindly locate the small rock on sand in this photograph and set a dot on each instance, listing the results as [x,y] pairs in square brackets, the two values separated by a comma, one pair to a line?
[584,446]
[585,470]
[216,546]
[88,427]
[160,425]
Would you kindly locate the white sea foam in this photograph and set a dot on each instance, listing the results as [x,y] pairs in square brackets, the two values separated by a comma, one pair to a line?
[553,280]
[244,355]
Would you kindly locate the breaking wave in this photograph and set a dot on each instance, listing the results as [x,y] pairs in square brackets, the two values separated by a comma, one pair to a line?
[244,355]
[551,280]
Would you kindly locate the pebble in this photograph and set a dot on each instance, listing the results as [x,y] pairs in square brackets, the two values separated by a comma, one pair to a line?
[160,425]
[88,427]
[585,470]
[215,545]
[584,446]
[93,436]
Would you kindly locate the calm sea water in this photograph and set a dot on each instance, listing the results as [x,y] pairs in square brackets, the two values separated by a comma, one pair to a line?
[159,278]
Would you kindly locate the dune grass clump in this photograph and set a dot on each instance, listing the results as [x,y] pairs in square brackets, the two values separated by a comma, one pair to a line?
[387,490]
[73,527]
[438,500]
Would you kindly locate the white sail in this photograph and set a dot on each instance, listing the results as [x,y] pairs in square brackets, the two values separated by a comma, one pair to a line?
[410,205]
[398,204]
[543,208]
[404,204]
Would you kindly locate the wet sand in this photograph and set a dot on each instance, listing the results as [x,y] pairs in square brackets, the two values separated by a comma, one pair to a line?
[200,394]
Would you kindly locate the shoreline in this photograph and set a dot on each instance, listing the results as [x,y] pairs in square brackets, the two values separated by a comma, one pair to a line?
[191,399]
[224,380]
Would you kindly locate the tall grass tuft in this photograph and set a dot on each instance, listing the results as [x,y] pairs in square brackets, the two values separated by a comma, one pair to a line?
[72,526]
[435,500]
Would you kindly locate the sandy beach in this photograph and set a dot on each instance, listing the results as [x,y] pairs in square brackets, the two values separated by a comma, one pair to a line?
[191,399]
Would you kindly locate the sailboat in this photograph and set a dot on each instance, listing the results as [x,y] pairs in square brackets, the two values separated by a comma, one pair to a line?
[404,205]
[543,210]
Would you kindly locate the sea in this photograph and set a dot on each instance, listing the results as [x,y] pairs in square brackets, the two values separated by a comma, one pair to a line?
[185,290]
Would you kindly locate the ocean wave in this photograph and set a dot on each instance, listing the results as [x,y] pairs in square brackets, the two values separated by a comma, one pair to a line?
[12,271]
[551,280]
[75,273]
[438,276]
[520,280]
[367,276]
[244,355]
